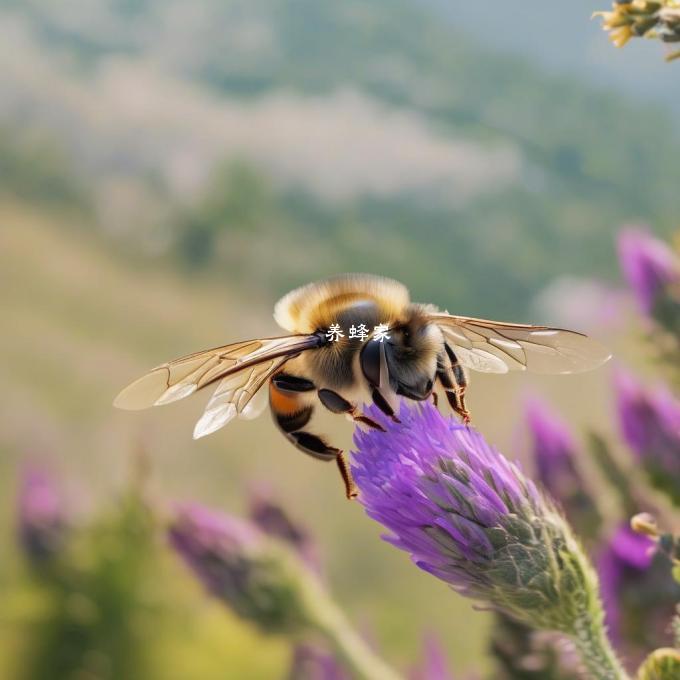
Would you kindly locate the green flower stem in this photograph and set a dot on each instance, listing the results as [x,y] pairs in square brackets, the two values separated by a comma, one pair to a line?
[596,651]
[331,622]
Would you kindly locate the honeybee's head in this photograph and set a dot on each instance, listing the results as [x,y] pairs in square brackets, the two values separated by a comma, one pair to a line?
[411,350]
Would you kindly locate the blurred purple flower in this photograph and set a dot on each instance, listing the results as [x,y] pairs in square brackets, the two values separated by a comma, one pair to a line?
[651,268]
[470,517]
[311,662]
[554,451]
[236,564]
[650,424]
[271,518]
[267,583]
[41,516]
[626,554]
[434,665]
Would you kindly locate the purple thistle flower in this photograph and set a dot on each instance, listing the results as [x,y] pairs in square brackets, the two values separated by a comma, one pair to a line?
[638,591]
[650,424]
[554,451]
[434,665]
[651,269]
[625,556]
[236,564]
[272,519]
[470,517]
[311,662]
[41,516]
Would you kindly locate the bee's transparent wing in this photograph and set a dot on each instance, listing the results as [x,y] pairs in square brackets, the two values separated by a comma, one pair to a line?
[499,347]
[177,379]
[238,394]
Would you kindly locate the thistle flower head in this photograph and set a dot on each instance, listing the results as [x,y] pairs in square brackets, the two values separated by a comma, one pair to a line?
[41,516]
[650,423]
[470,517]
[237,564]
[650,267]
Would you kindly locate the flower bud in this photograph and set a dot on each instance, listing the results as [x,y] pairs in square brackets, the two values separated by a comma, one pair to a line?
[644,523]
[264,581]
[238,565]
[662,664]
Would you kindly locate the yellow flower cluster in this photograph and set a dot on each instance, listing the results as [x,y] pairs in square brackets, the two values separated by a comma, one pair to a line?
[658,19]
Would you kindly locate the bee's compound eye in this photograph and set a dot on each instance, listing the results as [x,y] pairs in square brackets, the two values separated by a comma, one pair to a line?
[429,386]
[370,362]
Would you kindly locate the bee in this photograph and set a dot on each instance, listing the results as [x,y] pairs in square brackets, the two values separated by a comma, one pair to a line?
[421,348]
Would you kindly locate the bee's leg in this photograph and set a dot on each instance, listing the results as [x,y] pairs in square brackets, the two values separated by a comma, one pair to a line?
[374,367]
[455,383]
[292,411]
[336,403]
[382,403]
[435,399]
[450,391]
[346,474]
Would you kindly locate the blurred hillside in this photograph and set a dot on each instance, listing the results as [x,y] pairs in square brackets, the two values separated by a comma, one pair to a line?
[223,134]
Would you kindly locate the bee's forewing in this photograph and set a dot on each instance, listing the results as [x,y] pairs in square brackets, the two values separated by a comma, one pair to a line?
[498,347]
[177,379]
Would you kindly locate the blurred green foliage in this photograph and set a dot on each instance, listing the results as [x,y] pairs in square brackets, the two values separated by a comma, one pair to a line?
[117,605]
[236,199]
[35,168]
[101,602]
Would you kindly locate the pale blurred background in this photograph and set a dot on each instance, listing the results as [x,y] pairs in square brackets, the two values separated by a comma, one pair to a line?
[168,169]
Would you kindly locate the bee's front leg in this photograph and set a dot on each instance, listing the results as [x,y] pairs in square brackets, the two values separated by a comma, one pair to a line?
[289,402]
[454,382]
[336,403]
